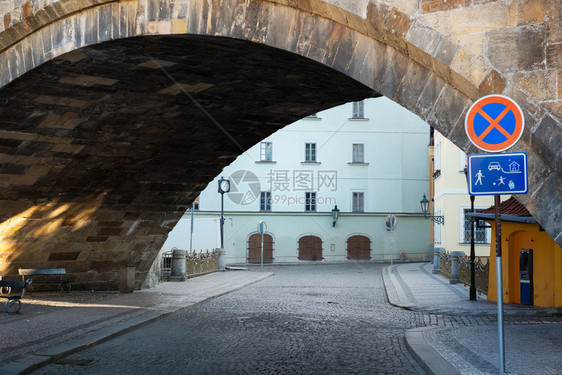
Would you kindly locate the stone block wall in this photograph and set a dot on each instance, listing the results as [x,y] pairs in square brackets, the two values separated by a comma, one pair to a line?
[101,148]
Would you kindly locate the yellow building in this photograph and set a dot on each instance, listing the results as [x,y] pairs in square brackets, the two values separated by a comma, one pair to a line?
[521,234]
[451,200]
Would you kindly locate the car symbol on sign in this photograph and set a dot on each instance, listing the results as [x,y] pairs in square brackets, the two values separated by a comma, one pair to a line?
[494,165]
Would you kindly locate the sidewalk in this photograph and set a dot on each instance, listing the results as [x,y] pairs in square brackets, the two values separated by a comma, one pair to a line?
[57,324]
[461,335]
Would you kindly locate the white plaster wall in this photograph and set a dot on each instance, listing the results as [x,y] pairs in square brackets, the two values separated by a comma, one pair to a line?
[451,195]
[393,179]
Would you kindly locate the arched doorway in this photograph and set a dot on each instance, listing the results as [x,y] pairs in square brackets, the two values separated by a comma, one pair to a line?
[310,248]
[517,241]
[254,248]
[359,247]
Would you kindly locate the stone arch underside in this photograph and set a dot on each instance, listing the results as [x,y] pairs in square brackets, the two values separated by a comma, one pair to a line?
[103,151]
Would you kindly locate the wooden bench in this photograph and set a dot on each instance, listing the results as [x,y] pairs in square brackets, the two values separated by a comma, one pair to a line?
[13,303]
[65,285]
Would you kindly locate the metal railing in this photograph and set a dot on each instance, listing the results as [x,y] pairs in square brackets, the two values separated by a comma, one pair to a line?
[197,264]
[481,264]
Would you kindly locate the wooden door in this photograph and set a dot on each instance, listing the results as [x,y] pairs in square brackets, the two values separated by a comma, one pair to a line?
[310,248]
[359,247]
[254,248]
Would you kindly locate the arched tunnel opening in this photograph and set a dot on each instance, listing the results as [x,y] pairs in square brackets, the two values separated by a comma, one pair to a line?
[104,148]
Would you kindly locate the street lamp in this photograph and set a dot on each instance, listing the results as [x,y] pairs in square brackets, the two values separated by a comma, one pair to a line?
[224,187]
[425,209]
[335,215]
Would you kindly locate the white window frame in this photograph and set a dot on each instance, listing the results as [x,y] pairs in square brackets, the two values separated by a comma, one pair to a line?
[309,149]
[265,201]
[463,161]
[354,208]
[308,205]
[358,110]
[354,154]
[196,204]
[437,157]
[266,154]
[461,226]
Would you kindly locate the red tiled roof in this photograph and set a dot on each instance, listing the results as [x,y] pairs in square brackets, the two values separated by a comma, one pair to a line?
[508,207]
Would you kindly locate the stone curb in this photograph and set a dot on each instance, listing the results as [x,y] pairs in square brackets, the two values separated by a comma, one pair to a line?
[32,361]
[391,292]
[431,361]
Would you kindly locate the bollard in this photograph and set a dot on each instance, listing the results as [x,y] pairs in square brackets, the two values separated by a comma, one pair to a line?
[222,265]
[455,266]
[436,260]
[178,265]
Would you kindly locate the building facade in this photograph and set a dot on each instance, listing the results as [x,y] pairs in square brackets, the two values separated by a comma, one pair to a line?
[364,160]
[531,260]
[451,200]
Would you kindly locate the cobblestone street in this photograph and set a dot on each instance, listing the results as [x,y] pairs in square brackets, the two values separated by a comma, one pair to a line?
[303,319]
[320,319]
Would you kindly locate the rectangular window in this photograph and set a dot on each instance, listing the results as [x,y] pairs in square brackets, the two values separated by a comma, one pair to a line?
[358,153]
[310,201]
[310,152]
[266,151]
[463,161]
[265,201]
[195,204]
[358,204]
[359,109]
[480,234]
[437,228]
[437,157]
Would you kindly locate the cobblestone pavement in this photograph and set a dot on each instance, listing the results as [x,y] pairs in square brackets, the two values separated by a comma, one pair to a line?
[333,319]
[464,332]
[318,319]
[472,355]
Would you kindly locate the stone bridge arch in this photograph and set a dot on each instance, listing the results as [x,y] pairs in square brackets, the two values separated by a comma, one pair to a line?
[413,52]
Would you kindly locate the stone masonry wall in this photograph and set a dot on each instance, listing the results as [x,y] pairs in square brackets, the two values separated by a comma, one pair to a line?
[89,148]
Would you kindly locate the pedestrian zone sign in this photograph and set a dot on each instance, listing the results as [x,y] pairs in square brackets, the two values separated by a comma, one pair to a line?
[496,174]
[494,123]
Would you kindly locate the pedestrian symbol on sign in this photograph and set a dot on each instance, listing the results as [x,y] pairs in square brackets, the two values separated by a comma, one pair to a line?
[479,176]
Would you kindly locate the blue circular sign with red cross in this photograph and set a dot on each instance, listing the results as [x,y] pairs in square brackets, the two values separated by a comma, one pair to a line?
[494,123]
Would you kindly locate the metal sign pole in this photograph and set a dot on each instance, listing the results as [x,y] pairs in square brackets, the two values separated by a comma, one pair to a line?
[505,173]
[390,223]
[499,285]
[472,290]
[222,221]
[391,230]
[262,228]
[191,235]
[261,265]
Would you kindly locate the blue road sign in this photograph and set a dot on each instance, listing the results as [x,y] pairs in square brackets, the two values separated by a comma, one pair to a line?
[496,174]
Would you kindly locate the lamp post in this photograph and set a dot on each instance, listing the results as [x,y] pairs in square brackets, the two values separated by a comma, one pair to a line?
[335,215]
[224,187]
[472,290]
[424,203]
